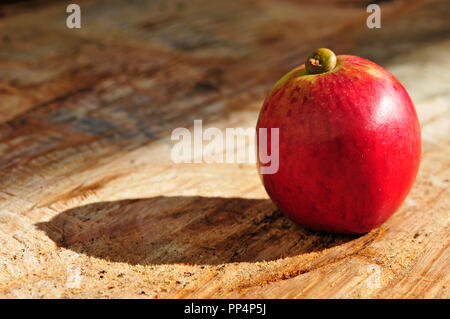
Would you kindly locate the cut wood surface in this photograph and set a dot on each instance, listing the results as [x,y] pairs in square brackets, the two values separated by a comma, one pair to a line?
[91,204]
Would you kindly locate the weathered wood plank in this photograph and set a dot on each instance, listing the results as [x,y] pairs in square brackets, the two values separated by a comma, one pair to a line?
[92,206]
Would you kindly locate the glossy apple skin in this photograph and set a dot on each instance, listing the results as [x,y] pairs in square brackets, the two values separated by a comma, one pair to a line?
[349,146]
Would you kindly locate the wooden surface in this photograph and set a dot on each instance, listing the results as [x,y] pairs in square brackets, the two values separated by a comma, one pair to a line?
[91,204]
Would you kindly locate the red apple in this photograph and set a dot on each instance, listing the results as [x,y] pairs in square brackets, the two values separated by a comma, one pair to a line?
[349,143]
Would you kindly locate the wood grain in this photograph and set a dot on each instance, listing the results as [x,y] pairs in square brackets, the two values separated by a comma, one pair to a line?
[91,204]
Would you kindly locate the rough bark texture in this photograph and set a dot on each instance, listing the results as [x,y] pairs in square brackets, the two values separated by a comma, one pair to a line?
[91,204]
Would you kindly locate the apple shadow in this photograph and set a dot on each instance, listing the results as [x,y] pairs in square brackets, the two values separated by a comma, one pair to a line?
[189,230]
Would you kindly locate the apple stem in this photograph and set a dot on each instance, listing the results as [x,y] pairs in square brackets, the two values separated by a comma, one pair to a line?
[320,61]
